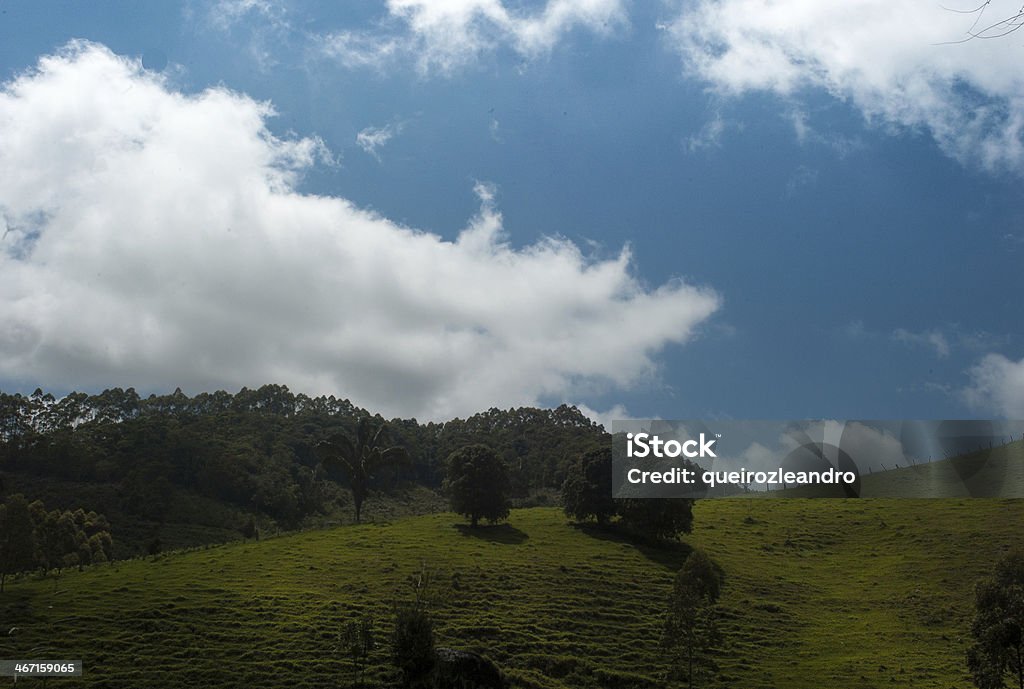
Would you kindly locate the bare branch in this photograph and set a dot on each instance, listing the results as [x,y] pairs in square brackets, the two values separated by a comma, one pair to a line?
[999,29]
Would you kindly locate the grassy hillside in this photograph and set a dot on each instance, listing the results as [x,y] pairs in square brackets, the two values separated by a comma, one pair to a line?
[991,473]
[868,593]
[997,472]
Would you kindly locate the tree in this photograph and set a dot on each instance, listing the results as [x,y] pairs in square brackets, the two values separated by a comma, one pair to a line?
[412,645]
[360,459]
[17,538]
[657,517]
[412,642]
[690,626]
[478,484]
[250,530]
[587,491]
[998,627]
[357,641]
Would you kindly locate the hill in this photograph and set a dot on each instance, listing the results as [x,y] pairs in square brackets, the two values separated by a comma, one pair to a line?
[996,472]
[191,471]
[845,593]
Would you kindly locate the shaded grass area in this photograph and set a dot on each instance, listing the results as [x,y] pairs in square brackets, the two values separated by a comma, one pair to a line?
[855,593]
[194,520]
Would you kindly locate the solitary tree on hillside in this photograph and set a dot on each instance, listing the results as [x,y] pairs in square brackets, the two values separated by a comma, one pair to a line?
[690,628]
[998,628]
[412,641]
[360,459]
[357,641]
[478,484]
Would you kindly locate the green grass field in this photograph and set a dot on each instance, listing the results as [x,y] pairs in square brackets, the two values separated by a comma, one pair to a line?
[854,593]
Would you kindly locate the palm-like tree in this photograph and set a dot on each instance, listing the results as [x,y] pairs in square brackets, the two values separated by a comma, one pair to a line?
[360,459]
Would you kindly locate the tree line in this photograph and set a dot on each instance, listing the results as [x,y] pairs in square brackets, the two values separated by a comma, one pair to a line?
[255,451]
[32,537]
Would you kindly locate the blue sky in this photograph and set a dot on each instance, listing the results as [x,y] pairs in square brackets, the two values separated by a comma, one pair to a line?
[424,206]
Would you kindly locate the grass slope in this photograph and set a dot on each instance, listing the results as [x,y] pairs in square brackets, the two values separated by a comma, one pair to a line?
[996,472]
[855,593]
[992,473]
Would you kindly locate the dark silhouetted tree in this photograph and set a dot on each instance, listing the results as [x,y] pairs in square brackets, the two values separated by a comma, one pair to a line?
[587,491]
[250,530]
[998,628]
[657,517]
[412,642]
[357,643]
[690,627]
[17,538]
[477,483]
[360,459]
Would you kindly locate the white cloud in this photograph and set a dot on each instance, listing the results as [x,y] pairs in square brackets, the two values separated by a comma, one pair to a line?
[885,57]
[224,14]
[709,136]
[265,36]
[445,35]
[357,50]
[932,339]
[997,385]
[616,413]
[157,239]
[944,340]
[372,139]
[807,134]
[873,448]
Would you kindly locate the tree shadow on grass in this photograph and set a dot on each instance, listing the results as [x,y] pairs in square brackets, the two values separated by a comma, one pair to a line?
[495,533]
[670,554]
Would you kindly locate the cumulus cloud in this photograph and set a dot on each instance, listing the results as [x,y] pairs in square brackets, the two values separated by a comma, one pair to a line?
[997,385]
[891,59]
[156,238]
[445,36]
[372,139]
[617,413]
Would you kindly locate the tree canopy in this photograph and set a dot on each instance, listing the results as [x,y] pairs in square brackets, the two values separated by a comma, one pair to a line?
[359,460]
[997,653]
[690,625]
[213,461]
[477,484]
[33,537]
[587,491]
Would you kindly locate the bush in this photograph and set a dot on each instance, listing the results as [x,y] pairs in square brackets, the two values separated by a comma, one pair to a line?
[412,645]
